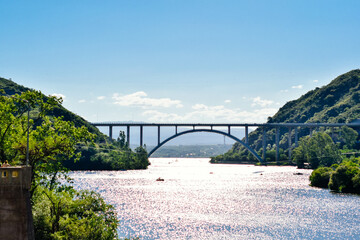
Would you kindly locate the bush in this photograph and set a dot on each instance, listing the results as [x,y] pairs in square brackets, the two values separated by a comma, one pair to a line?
[320,177]
[72,214]
[346,178]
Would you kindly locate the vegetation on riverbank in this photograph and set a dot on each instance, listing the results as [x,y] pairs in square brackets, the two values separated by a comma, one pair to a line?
[99,154]
[59,211]
[337,102]
[332,169]
[343,177]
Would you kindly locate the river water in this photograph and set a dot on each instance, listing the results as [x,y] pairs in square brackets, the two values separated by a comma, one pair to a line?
[198,200]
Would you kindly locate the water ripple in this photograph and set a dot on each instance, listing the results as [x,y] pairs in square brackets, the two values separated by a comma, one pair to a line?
[202,201]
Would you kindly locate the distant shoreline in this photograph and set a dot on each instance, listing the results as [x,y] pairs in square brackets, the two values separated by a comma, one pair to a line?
[235,162]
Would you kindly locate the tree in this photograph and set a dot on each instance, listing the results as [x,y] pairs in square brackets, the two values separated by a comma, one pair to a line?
[345,178]
[73,215]
[51,140]
[60,212]
[121,141]
[320,177]
[13,123]
[318,150]
[348,136]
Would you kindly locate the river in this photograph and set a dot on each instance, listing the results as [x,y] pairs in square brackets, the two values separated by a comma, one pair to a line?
[198,200]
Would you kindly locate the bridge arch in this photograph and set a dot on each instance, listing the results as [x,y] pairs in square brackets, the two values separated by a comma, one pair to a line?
[212,131]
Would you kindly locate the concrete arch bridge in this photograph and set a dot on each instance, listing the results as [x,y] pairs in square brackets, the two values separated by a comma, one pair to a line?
[209,127]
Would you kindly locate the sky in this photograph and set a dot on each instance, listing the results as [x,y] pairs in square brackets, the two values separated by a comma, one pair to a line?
[186,61]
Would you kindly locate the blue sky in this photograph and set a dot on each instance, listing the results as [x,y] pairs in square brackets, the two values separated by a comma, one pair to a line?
[178,61]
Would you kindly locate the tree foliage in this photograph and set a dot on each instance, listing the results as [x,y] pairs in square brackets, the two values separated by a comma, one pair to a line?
[344,177]
[318,150]
[102,154]
[59,211]
[348,137]
[320,177]
[50,140]
[113,156]
[73,215]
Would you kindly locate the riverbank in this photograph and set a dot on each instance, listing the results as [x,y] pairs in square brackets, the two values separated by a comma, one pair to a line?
[282,163]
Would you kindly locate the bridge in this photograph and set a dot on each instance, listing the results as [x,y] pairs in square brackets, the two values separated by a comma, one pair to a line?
[209,127]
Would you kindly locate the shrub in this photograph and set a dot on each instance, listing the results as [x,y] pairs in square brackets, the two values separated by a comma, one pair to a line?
[345,178]
[320,177]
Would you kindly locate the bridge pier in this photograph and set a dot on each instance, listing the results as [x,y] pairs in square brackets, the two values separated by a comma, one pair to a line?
[246,134]
[296,137]
[158,135]
[128,135]
[141,136]
[277,140]
[289,141]
[110,132]
[264,145]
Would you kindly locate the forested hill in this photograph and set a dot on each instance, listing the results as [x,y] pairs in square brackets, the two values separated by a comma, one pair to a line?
[337,102]
[12,88]
[101,154]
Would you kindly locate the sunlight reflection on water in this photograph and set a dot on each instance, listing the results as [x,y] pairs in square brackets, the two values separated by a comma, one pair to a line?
[199,200]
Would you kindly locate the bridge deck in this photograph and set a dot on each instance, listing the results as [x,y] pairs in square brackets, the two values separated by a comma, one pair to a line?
[137,124]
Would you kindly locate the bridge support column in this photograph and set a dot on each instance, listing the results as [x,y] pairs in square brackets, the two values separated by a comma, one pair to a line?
[277,140]
[229,130]
[141,136]
[176,130]
[289,140]
[296,137]
[246,134]
[158,135]
[110,132]
[311,132]
[264,145]
[128,135]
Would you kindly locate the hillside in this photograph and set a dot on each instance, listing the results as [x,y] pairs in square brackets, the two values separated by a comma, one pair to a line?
[100,155]
[337,102]
[12,88]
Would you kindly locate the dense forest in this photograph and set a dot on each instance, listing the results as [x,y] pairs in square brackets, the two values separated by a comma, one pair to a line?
[100,153]
[337,102]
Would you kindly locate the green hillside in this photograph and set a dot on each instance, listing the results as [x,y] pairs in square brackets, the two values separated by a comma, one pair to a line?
[100,155]
[337,102]
[12,88]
